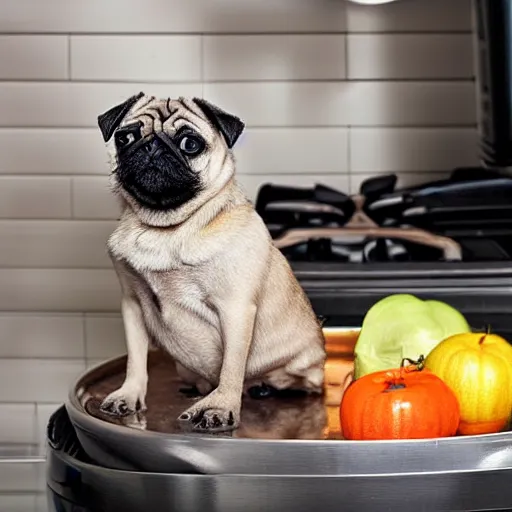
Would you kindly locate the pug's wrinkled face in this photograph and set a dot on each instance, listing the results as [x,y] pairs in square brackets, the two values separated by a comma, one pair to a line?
[169,157]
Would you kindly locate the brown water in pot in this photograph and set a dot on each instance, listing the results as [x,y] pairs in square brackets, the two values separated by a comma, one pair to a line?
[290,417]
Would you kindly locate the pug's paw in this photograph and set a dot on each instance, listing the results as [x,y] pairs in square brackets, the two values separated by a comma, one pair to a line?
[136,421]
[125,401]
[214,413]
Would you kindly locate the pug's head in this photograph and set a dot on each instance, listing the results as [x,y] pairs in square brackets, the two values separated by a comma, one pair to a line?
[169,157]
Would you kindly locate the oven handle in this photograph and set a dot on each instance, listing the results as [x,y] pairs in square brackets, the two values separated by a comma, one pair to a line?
[451,249]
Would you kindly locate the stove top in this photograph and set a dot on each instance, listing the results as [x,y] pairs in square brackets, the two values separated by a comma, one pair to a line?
[467,217]
[448,240]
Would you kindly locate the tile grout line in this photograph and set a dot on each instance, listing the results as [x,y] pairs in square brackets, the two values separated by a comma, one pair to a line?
[284,33]
[437,126]
[347,134]
[36,425]
[458,80]
[71,198]
[346,55]
[84,335]
[69,57]
[202,61]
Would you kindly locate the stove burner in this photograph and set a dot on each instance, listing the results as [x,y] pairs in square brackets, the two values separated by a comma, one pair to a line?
[468,217]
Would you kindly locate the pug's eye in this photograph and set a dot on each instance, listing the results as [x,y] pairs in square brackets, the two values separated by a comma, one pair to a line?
[125,139]
[126,136]
[191,146]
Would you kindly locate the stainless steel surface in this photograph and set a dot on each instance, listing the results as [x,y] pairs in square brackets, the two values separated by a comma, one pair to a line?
[298,436]
[109,490]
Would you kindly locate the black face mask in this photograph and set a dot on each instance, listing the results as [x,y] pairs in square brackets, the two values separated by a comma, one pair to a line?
[154,170]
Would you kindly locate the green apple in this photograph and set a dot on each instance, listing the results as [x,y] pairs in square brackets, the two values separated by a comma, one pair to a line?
[403,326]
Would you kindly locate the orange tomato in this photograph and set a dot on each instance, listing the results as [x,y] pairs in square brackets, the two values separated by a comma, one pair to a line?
[403,403]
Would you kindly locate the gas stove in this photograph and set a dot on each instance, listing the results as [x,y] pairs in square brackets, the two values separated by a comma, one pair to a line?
[467,217]
[450,240]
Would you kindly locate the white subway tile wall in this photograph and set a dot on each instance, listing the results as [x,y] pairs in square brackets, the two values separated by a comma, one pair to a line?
[18,477]
[40,335]
[332,92]
[34,57]
[18,423]
[18,503]
[406,56]
[104,336]
[158,57]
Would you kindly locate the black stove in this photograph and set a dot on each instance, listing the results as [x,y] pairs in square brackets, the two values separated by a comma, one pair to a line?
[470,213]
[449,240]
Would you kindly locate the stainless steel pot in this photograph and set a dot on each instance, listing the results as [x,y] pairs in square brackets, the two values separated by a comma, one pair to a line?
[79,486]
[296,436]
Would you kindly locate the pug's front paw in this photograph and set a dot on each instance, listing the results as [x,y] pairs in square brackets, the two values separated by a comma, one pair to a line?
[136,421]
[214,413]
[126,400]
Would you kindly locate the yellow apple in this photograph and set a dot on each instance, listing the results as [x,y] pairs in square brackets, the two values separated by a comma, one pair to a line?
[478,368]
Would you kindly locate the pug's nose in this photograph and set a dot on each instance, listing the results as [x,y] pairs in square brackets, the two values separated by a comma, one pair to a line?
[153,148]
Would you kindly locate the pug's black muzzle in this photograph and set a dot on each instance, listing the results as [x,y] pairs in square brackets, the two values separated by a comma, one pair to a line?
[154,172]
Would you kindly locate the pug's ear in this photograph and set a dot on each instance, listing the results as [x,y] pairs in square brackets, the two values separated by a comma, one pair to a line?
[111,119]
[230,126]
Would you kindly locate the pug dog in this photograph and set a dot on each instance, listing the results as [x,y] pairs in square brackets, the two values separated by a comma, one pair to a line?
[199,274]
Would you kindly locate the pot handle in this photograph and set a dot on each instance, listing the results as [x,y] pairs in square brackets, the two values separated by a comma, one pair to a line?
[450,248]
